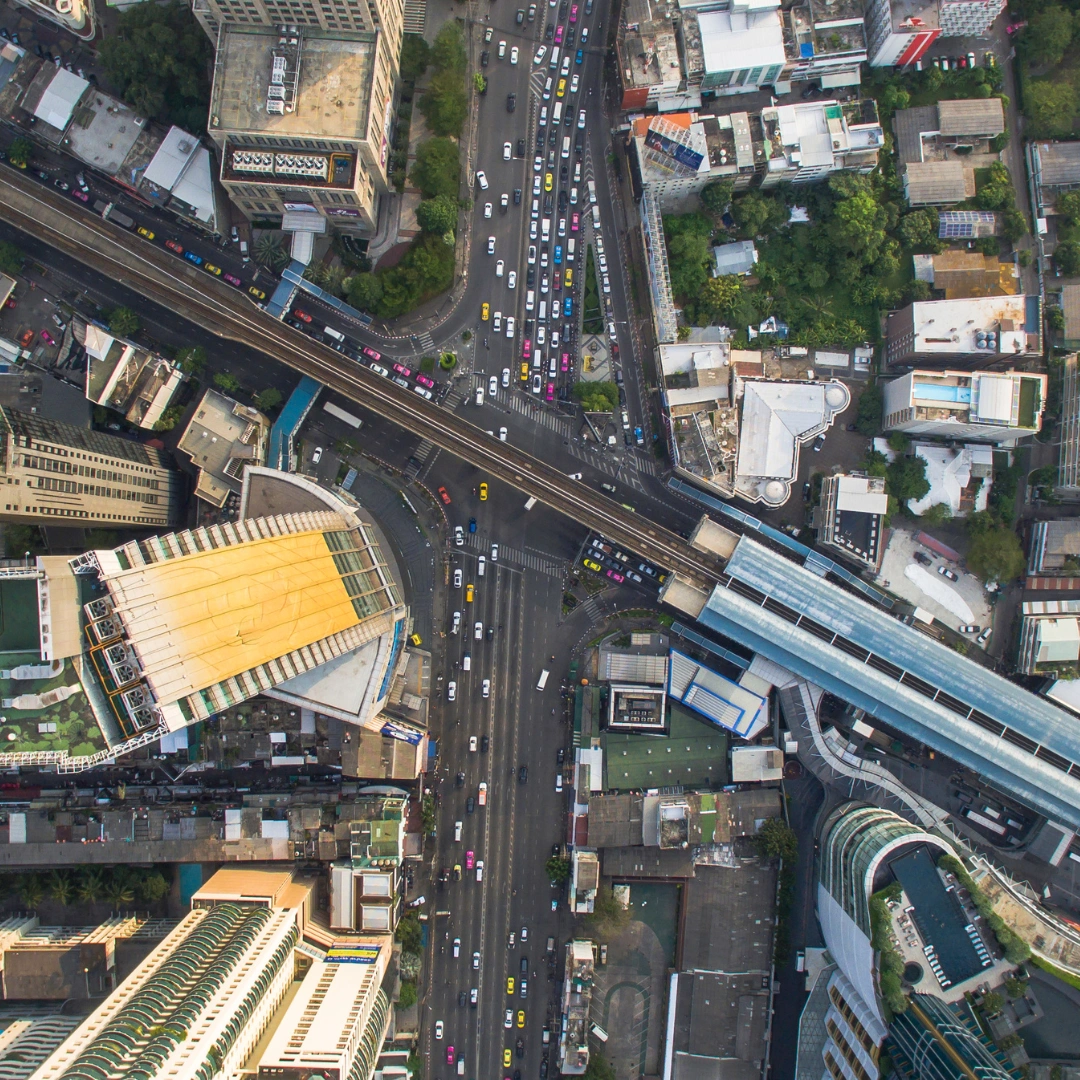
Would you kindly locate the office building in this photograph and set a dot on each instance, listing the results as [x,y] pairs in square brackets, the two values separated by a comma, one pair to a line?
[75,16]
[850,516]
[299,603]
[931,1040]
[840,1038]
[223,439]
[984,406]
[980,330]
[56,473]
[302,123]
[899,32]
[125,377]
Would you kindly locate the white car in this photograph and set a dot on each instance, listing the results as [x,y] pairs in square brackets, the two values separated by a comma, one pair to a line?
[459,536]
[506,376]
[500,266]
[457,578]
[532,230]
[481,565]
[502,49]
[493,386]
[509,1021]
[480,862]
[536,384]
[510,324]
[479,395]
[494,552]
[438,1029]
[491,245]
[514,55]
[511,280]
[543,258]
[502,434]
[476,961]
[565,65]
[496,322]
[507,148]
[575,82]
[485,688]
[581,120]
[547,89]
[457,947]
[472,744]
[538,163]
[482,180]
[317,456]
[532,254]
[457,623]
[544,284]
[524,934]
[538,56]
[478,633]
[487,209]
[451,687]
[562,226]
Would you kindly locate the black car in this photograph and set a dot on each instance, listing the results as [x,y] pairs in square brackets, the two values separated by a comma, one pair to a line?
[484,58]
[564,172]
[470,805]
[530,277]
[523,774]
[560,757]
[922,557]
[570,32]
[549,33]
[461,999]
[511,102]
[524,965]
[484,744]
[520,1048]
[563,8]
[553,136]
[564,201]
[489,635]
[540,139]
[547,203]
[806,491]
[459,780]
[517,196]
[543,1069]
[555,852]
[521,148]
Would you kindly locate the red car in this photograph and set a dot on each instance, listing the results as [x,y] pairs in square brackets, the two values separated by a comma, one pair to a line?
[232,280]
[370,353]
[46,336]
[426,380]
[558,35]
[615,576]
[550,392]
[470,860]
[80,195]
[303,316]
[575,222]
[573,14]
[401,369]
[564,364]
[444,495]
[526,348]
[449,1055]
[172,245]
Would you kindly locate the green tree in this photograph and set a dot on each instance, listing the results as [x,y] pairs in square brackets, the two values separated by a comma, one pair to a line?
[169,418]
[919,231]
[1047,35]
[1013,225]
[868,418]
[11,259]
[408,932]
[1051,107]
[754,213]
[906,478]
[415,57]
[979,522]
[992,1004]
[448,361]
[270,252]
[899,441]
[407,995]
[557,869]
[437,170]
[599,1068]
[608,915]
[597,396]
[445,103]
[1067,206]
[858,226]
[60,887]
[689,255]
[996,555]
[123,322]
[448,51]
[1016,988]
[19,151]
[120,889]
[31,891]
[19,539]
[268,399]
[479,82]
[777,840]
[192,360]
[996,192]
[365,291]
[719,295]
[438,215]
[409,965]
[152,887]
[90,885]
[716,195]
[224,381]
[938,514]
[1067,257]
[159,59]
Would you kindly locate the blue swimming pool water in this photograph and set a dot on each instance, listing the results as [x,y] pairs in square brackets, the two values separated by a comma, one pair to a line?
[934,392]
[938,915]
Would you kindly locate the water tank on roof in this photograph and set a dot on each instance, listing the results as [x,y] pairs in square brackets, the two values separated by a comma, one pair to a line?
[835,396]
[775,491]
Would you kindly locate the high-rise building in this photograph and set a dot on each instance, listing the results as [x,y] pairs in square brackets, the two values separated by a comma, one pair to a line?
[302,121]
[60,474]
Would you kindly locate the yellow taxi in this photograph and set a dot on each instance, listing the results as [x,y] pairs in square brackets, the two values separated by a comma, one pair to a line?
[469,593]
[210,268]
[590,565]
[568,278]
[483,492]
[561,88]
[507,1058]
[524,372]
[548,181]
[521,1017]
[485,311]
[510,985]
[145,233]
[257,293]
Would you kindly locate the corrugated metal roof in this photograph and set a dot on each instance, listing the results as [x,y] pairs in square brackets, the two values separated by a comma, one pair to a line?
[971,116]
[720,700]
[934,183]
[1001,759]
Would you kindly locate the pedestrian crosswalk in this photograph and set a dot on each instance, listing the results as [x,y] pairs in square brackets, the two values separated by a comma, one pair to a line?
[425,340]
[539,561]
[625,469]
[543,416]
[418,459]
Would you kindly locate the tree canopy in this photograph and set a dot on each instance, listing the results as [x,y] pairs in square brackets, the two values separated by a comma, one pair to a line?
[906,478]
[438,215]
[1047,35]
[11,259]
[996,555]
[754,212]
[597,396]
[438,168]
[415,57]
[689,255]
[719,295]
[159,59]
[123,322]
[1067,257]
[445,102]
[1051,106]
[716,195]
[996,193]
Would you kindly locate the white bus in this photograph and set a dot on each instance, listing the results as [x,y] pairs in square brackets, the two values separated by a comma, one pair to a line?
[341,414]
[542,681]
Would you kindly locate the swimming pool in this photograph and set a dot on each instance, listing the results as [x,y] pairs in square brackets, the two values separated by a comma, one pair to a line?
[938,392]
[938,915]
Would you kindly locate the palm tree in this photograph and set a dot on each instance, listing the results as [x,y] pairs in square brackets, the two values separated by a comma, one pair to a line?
[91,886]
[31,891]
[268,249]
[121,887]
[60,887]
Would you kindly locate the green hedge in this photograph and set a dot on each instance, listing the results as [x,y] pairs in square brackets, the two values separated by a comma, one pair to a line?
[1014,947]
